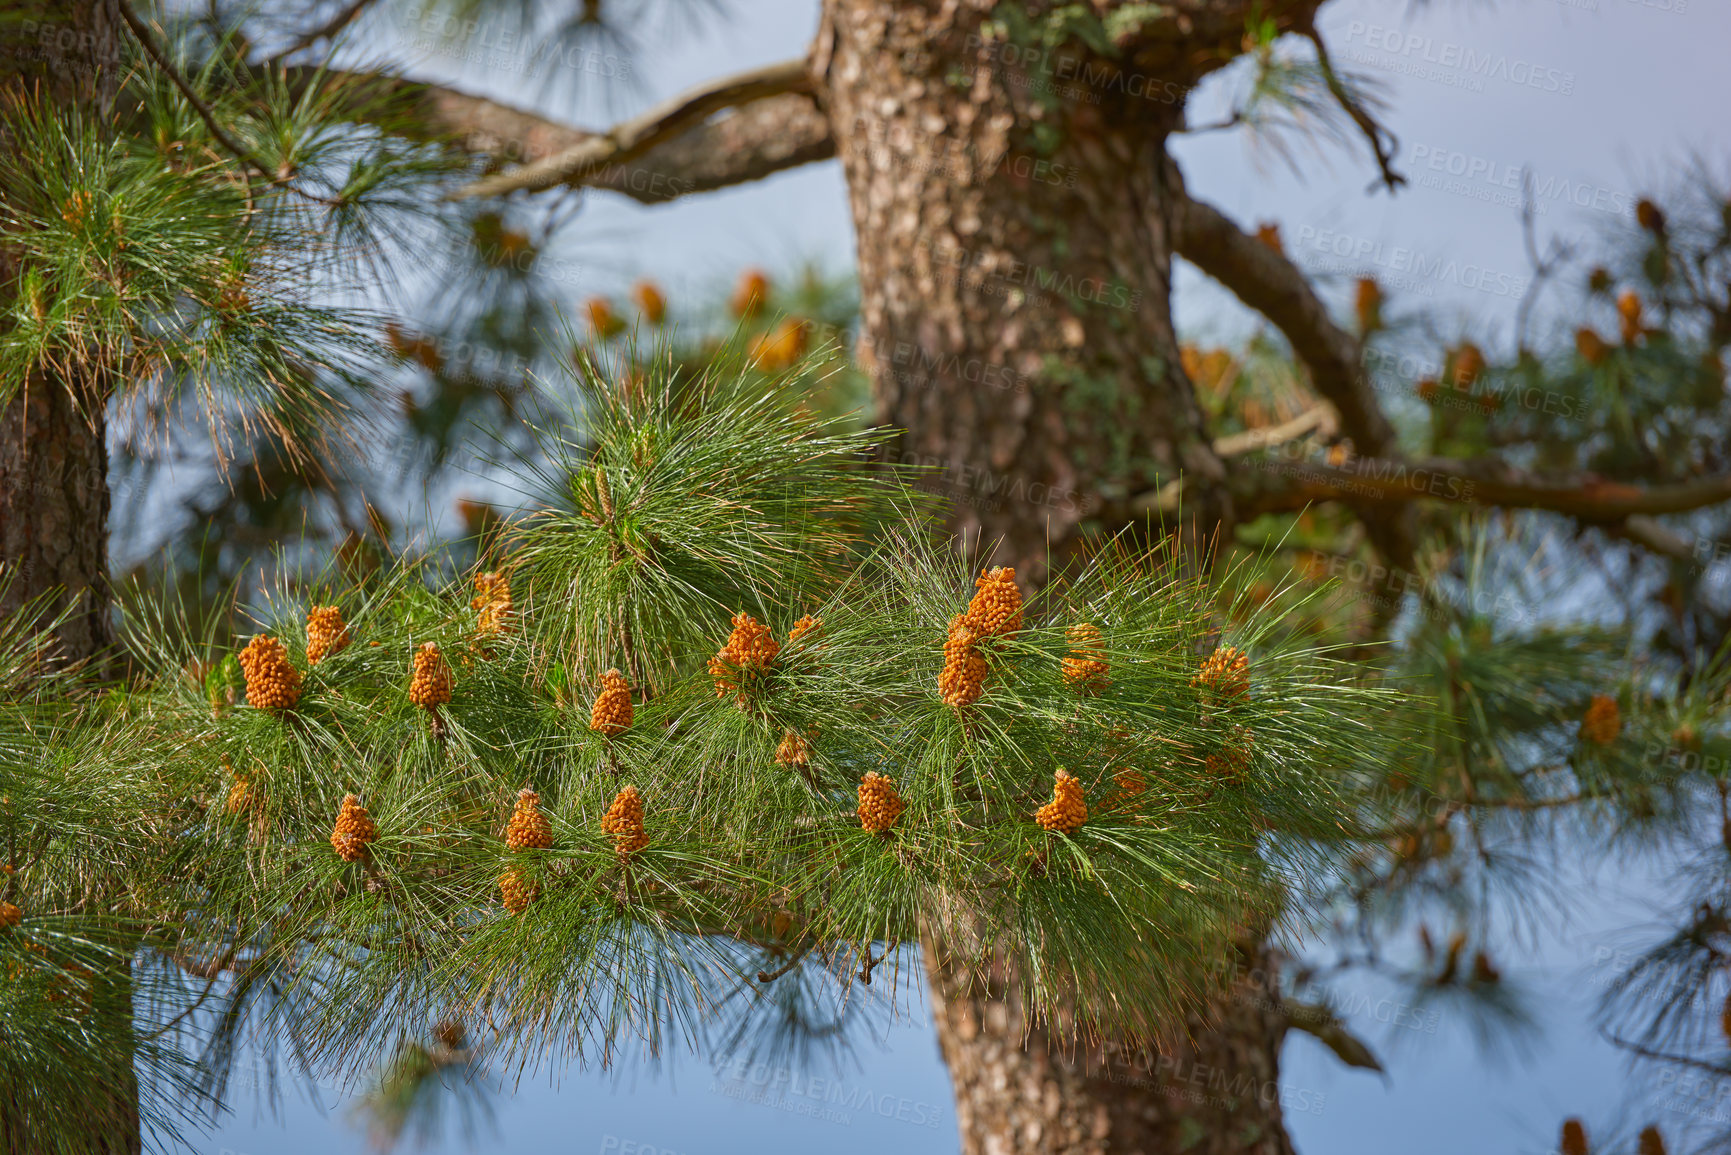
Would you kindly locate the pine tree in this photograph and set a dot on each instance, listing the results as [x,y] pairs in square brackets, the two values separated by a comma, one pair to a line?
[674,868]
[171,190]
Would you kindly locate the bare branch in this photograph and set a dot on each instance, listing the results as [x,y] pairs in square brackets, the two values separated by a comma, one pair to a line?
[1318,1020]
[1318,418]
[1543,266]
[1653,536]
[633,138]
[485,127]
[798,957]
[759,140]
[1588,497]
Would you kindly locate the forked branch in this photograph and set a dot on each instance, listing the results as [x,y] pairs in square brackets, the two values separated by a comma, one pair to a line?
[633,138]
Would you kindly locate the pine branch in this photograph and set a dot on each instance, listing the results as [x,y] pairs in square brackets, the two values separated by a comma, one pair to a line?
[1383,143]
[1662,1056]
[205,113]
[341,20]
[633,138]
[148,42]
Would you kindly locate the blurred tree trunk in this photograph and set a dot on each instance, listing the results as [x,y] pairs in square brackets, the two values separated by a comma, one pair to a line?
[54,494]
[1015,261]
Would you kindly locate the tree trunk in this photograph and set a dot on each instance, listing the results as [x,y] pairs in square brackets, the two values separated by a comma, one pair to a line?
[1011,201]
[1019,1089]
[54,501]
[53,443]
[1015,269]
[54,512]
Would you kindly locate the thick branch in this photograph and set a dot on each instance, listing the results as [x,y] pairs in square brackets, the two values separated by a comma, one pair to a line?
[1272,285]
[434,112]
[1285,487]
[633,138]
[759,140]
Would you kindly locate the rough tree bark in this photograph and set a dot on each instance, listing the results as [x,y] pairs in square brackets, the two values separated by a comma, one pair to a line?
[54,511]
[54,497]
[1020,1088]
[1014,213]
[1015,270]
[53,440]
